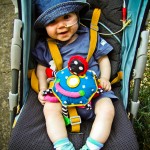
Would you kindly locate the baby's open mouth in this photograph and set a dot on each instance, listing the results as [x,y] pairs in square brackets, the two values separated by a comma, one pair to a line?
[64,32]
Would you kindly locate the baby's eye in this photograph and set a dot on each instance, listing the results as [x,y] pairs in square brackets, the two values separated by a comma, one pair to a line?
[66,16]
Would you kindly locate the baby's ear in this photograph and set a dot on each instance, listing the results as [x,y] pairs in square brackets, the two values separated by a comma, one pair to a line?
[52,65]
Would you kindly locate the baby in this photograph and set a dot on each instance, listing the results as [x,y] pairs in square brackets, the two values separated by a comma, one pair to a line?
[61,20]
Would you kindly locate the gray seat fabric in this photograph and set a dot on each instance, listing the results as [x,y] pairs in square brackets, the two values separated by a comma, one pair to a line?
[30,131]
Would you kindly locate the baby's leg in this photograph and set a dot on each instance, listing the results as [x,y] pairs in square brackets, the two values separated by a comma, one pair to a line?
[104,111]
[101,128]
[55,124]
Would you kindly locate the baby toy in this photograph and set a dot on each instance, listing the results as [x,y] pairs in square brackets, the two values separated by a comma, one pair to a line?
[74,85]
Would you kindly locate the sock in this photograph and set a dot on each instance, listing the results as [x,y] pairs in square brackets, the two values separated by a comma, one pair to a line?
[61,142]
[93,144]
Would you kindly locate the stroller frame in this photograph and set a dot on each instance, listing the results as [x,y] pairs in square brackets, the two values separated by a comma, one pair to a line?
[113,140]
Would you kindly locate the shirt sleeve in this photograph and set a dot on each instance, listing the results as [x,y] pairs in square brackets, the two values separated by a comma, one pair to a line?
[103,48]
[41,53]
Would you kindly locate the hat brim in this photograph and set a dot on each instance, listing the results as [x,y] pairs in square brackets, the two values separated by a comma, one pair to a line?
[59,10]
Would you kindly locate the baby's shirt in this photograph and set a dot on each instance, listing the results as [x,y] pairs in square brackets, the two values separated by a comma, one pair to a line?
[80,46]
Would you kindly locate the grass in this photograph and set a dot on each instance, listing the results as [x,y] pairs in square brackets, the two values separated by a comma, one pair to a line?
[142,121]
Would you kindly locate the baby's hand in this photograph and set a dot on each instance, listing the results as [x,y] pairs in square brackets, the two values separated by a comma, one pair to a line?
[41,97]
[105,84]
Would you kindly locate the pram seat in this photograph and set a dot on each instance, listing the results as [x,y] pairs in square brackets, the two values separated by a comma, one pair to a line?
[30,131]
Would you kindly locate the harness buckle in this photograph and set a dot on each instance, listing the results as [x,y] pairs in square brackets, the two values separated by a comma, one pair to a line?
[94,27]
[74,120]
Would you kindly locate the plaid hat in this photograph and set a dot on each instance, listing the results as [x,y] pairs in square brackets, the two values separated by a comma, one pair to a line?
[49,10]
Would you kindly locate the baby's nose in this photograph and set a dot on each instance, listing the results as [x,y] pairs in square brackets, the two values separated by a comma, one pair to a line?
[61,24]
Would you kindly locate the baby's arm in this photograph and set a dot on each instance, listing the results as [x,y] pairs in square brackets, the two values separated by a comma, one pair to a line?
[42,78]
[105,69]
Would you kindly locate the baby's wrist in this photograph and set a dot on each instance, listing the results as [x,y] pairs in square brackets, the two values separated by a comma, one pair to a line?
[42,89]
[104,78]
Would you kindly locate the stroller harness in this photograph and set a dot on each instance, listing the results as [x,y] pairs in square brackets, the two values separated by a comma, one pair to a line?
[74,119]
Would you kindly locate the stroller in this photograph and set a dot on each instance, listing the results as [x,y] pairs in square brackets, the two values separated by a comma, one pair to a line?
[29,132]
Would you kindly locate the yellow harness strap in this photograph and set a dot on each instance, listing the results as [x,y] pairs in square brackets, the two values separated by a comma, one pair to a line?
[34,81]
[93,32]
[55,54]
[74,119]
[118,78]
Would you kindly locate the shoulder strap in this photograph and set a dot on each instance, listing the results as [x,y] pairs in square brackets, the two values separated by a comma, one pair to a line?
[117,78]
[93,32]
[53,48]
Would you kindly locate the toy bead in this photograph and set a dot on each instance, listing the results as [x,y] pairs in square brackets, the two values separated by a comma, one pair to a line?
[82,93]
[49,72]
[67,120]
[58,80]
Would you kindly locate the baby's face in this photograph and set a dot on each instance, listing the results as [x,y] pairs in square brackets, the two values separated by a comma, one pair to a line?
[63,28]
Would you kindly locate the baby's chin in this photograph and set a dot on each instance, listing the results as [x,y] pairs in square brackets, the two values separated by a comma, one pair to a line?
[68,39]
[64,38]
